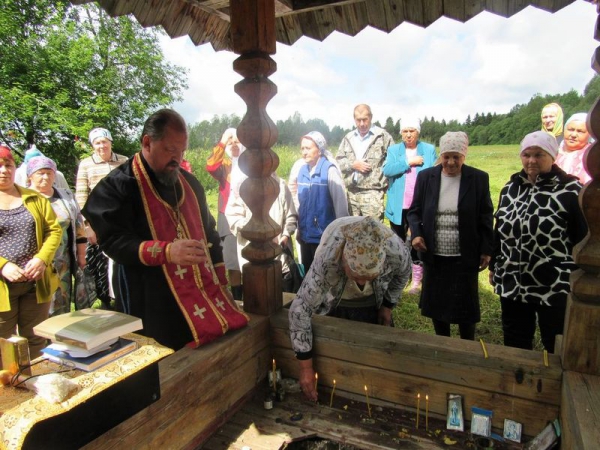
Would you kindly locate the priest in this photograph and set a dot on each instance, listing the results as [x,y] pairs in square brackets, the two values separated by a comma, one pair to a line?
[153,219]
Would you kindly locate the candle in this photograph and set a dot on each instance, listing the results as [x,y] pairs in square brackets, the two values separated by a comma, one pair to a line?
[274,376]
[418,407]
[545,358]
[485,353]
[316,380]
[332,391]
[368,405]
[426,412]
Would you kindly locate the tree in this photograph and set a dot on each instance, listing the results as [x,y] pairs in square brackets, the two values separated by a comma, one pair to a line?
[66,69]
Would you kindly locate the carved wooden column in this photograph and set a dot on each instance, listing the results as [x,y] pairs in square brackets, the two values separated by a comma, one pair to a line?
[253,38]
[581,341]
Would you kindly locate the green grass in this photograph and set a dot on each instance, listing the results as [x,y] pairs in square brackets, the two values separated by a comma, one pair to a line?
[499,161]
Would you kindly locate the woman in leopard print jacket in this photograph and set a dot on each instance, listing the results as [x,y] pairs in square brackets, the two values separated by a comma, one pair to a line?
[538,222]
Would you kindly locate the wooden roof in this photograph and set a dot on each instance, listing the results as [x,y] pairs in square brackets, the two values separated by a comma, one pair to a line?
[208,21]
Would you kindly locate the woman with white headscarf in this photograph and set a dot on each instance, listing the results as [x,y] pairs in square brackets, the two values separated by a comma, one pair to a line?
[223,166]
[91,170]
[576,141]
[321,195]
[451,227]
[402,164]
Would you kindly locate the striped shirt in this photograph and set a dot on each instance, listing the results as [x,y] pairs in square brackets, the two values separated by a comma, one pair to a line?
[91,170]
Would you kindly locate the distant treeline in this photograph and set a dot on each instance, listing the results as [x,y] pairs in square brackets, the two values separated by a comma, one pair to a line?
[482,128]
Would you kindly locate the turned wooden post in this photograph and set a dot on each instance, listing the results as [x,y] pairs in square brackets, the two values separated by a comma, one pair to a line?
[581,341]
[253,38]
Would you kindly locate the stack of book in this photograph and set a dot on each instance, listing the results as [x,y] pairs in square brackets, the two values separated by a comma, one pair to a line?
[89,338]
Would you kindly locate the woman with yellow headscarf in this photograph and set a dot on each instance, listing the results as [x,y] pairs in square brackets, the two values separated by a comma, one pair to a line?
[552,120]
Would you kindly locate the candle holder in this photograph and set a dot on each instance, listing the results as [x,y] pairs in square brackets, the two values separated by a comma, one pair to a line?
[277,378]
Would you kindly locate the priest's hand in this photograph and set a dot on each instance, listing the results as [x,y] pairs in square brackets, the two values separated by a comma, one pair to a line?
[186,252]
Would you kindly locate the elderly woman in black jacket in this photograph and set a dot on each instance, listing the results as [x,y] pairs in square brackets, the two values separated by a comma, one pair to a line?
[538,222]
[451,227]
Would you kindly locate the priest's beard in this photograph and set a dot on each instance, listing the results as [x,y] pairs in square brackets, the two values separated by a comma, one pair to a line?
[168,178]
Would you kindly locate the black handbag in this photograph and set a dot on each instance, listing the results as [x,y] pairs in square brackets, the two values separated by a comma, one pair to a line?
[291,280]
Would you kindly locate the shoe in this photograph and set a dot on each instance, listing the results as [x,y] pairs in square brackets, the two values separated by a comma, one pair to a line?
[417,277]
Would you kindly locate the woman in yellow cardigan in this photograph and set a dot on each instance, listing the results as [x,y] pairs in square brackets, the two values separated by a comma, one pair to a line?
[29,237]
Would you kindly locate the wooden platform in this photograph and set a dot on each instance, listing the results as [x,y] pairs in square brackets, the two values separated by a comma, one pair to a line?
[294,420]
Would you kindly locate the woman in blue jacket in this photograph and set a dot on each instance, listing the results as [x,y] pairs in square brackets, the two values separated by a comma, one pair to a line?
[321,195]
[403,162]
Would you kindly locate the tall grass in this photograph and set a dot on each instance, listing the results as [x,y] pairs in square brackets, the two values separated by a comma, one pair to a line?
[499,161]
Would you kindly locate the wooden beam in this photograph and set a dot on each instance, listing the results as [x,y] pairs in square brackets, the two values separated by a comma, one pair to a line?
[580,411]
[200,389]
[397,364]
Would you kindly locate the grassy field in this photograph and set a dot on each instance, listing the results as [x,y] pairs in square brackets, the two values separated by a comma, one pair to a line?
[500,161]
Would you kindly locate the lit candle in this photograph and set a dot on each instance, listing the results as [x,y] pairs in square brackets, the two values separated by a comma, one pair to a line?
[426,412]
[274,376]
[332,391]
[368,405]
[316,380]
[418,407]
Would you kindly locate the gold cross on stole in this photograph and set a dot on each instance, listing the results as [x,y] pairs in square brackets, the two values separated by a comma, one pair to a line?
[154,250]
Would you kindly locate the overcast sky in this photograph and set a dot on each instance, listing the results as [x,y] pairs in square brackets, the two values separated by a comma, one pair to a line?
[447,70]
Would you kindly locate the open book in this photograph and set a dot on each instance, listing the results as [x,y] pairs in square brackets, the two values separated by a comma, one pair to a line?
[87,328]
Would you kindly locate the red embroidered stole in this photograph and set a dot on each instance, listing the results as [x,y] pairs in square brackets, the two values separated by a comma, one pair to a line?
[206,305]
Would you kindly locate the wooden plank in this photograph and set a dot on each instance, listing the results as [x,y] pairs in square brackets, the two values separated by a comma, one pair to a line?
[402,389]
[432,357]
[580,411]
[336,424]
[199,388]
[581,340]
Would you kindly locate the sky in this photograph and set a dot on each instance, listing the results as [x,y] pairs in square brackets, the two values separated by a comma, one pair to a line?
[448,70]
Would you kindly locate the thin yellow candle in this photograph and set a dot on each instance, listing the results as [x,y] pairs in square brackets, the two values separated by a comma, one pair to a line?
[485,353]
[274,376]
[368,405]
[316,380]
[332,391]
[418,407]
[545,358]
[426,412]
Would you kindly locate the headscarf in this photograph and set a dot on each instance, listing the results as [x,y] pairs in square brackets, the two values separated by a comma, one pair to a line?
[364,250]
[578,117]
[558,124]
[40,162]
[318,139]
[100,133]
[6,154]
[411,122]
[454,141]
[32,153]
[321,144]
[543,140]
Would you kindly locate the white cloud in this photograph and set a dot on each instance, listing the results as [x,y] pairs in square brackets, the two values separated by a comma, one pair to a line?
[448,70]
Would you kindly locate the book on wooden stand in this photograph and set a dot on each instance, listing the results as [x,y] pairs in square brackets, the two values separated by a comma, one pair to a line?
[120,348]
[87,328]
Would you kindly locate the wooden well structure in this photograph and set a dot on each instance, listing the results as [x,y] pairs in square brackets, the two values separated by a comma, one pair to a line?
[202,388]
